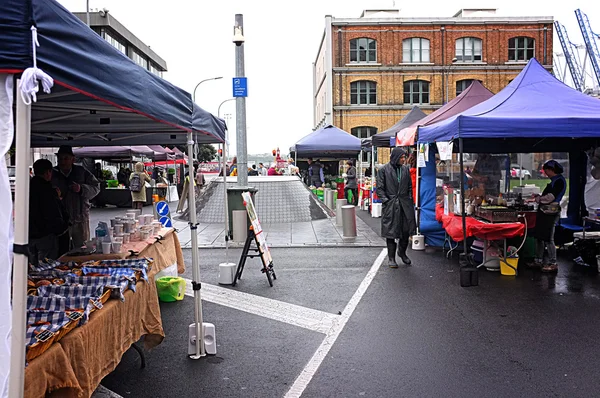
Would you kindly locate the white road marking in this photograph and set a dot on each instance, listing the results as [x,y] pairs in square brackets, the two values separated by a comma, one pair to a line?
[313,365]
[292,314]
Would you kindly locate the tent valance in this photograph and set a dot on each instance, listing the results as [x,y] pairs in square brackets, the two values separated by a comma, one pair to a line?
[328,141]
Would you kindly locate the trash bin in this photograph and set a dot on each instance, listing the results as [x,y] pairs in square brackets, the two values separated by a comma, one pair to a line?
[236,202]
[170,288]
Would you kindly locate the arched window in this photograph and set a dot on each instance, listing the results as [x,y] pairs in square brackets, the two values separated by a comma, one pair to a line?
[468,49]
[416,92]
[363,131]
[363,50]
[521,49]
[462,85]
[415,50]
[363,92]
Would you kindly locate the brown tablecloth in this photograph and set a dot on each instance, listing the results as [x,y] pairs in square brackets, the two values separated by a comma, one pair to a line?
[51,372]
[76,365]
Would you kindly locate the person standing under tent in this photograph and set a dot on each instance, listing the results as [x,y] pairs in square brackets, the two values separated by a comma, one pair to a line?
[412,163]
[77,187]
[486,172]
[547,217]
[315,173]
[137,185]
[48,219]
[351,186]
[394,189]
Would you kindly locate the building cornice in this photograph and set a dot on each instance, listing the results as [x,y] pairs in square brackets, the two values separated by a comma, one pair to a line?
[441,21]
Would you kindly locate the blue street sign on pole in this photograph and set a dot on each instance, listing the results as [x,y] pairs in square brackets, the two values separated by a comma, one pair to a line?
[166,222]
[240,87]
[162,208]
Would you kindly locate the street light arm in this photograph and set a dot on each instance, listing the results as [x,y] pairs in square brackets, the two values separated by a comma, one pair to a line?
[219,109]
[202,81]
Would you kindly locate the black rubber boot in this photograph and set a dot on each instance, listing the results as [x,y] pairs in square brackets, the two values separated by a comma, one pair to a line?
[402,246]
[391,249]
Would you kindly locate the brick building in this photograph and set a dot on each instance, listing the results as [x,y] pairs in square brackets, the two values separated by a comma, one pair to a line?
[370,71]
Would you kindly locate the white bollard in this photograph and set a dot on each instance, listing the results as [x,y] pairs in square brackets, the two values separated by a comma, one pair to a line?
[338,211]
[227,273]
[329,198]
[349,221]
[240,225]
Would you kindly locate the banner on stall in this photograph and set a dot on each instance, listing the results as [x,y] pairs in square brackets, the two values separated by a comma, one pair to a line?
[422,155]
[445,150]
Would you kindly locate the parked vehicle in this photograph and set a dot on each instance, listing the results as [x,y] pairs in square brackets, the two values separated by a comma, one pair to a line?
[517,172]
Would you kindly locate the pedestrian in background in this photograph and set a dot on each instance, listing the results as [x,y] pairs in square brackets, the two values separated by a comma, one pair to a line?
[48,219]
[351,187]
[315,173]
[394,188]
[77,187]
[137,185]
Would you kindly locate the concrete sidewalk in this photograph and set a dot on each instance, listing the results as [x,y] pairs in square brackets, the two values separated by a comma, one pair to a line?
[318,233]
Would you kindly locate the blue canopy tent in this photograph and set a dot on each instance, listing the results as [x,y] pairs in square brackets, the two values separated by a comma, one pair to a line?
[534,113]
[99,97]
[330,142]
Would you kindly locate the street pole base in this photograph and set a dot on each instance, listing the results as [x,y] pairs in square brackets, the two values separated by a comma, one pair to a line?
[469,274]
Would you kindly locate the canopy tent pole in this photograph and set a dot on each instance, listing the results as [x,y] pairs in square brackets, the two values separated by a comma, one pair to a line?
[372,176]
[20,263]
[462,196]
[417,201]
[226,208]
[200,349]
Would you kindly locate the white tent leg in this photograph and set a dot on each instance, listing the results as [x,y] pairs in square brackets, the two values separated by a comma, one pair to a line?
[226,208]
[417,201]
[200,349]
[21,261]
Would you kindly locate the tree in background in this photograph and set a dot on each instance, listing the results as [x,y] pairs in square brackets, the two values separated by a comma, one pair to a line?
[206,153]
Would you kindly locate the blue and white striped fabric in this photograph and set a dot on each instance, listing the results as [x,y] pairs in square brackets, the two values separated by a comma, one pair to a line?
[112,271]
[56,320]
[44,304]
[71,291]
[109,281]
[44,265]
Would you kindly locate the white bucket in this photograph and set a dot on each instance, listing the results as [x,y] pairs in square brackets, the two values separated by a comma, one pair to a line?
[418,242]
[376,210]
[226,273]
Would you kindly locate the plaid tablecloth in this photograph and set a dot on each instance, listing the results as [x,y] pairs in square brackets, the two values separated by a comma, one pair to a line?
[53,322]
[63,304]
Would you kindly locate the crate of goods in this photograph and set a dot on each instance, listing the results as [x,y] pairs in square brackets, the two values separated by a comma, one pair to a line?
[496,214]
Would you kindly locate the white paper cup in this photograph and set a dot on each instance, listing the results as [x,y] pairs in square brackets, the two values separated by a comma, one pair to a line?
[126,237]
[116,247]
[106,247]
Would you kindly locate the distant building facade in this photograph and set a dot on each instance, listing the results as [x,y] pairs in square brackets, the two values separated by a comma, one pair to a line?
[370,71]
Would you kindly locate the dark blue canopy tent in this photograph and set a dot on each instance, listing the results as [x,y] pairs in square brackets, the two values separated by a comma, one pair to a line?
[387,138]
[100,96]
[534,113]
[329,142]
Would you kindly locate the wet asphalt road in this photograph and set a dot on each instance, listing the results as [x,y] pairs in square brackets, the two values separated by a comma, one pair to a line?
[416,333]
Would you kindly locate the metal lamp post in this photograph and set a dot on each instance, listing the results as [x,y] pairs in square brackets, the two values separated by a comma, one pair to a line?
[240,104]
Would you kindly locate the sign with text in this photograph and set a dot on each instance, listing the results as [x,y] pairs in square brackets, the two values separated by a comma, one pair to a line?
[240,87]
[265,253]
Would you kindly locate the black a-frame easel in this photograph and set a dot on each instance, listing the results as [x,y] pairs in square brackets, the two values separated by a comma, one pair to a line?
[253,252]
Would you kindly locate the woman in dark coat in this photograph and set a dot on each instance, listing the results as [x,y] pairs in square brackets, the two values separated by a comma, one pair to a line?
[394,189]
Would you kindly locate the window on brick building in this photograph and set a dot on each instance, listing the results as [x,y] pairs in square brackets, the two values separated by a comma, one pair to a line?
[363,131]
[468,49]
[521,49]
[363,92]
[415,50]
[462,85]
[416,92]
[363,50]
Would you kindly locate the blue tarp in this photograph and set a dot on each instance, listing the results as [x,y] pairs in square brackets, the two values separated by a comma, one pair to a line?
[328,141]
[534,107]
[91,75]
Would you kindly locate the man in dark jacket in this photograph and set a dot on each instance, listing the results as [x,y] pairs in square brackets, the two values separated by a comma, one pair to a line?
[315,173]
[77,187]
[394,188]
[47,217]
[351,184]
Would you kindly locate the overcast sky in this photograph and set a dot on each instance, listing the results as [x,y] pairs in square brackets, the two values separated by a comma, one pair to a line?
[282,39]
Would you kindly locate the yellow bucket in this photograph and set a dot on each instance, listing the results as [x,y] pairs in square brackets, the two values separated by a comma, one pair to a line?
[510,268]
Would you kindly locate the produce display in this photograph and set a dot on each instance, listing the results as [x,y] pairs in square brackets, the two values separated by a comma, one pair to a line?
[61,296]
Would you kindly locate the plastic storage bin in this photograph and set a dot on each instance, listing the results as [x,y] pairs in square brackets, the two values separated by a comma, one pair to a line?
[170,288]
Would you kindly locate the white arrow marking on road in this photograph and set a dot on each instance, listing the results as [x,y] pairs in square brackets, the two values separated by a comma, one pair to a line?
[313,365]
[307,318]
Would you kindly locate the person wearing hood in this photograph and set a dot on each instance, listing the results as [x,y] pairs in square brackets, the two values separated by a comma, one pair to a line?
[394,189]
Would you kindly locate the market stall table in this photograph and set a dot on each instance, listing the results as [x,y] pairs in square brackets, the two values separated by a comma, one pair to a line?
[76,365]
[119,197]
[486,231]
